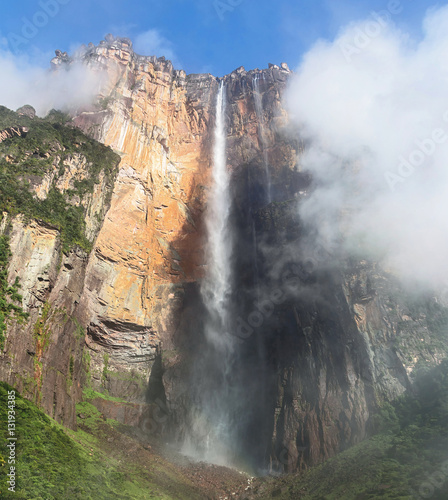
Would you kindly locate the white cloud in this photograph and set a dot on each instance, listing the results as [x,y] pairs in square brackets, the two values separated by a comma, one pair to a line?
[378,124]
[22,82]
[152,43]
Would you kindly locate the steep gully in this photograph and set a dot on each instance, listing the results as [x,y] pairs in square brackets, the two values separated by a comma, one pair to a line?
[290,370]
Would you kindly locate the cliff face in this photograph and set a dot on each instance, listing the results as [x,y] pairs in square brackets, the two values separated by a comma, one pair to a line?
[55,191]
[322,342]
[157,120]
[345,338]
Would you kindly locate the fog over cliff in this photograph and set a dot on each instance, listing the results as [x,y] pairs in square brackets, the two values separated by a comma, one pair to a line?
[373,104]
[22,82]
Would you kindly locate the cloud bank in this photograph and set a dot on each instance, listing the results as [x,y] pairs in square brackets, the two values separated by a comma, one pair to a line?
[67,89]
[373,106]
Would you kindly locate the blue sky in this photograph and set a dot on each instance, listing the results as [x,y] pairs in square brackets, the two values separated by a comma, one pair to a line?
[213,36]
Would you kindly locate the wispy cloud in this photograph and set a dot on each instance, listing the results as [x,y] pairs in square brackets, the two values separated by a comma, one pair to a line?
[153,43]
[23,82]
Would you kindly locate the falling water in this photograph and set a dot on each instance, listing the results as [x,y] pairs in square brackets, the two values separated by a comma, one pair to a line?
[212,433]
[259,113]
[216,286]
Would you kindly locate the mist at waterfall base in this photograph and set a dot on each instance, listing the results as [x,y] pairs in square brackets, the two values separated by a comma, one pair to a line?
[374,111]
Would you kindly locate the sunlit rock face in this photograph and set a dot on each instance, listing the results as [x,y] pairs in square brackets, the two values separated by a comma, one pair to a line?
[320,343]
[156,119]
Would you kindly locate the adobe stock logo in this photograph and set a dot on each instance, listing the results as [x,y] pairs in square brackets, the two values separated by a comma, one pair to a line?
[369,30]
[425,148]
[291,282]
[31,26]
[434,482]
[223,6]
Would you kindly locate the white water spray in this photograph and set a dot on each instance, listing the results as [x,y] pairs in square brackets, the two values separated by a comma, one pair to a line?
[259,114]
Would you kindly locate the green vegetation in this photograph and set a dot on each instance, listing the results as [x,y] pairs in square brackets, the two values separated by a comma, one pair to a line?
[96,462]
[90,394]
[92,421]
[437,321]
[104,102]
[422,328]
[41,331]
[10,299]
[86,360]
[105,368]
[408,458]
[25,161]
[79,332]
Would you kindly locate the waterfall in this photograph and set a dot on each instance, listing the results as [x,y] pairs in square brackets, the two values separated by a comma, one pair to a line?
[259,115]
[216,286]
[213,419]
[227,406]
